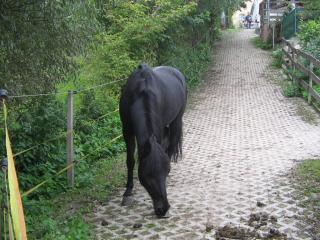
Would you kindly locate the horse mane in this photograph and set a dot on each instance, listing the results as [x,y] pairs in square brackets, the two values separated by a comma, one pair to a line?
[149,100]
[153,120]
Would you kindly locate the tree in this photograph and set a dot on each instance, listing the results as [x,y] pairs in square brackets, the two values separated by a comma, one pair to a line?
[312,8]
[39,40]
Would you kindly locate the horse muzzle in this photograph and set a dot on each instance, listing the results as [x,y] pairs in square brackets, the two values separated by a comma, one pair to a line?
[162,209]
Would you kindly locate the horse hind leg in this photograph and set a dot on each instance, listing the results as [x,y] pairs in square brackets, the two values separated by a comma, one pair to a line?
[175,138]
[130,145]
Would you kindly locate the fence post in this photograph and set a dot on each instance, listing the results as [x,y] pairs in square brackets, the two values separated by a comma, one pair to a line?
[70,152]
[295,21]
[273,32]
[294,79]
[310,83]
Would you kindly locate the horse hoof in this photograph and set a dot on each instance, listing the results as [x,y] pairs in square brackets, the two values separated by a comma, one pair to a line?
[127,201]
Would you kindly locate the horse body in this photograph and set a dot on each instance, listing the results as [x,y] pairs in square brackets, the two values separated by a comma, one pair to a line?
[151,107]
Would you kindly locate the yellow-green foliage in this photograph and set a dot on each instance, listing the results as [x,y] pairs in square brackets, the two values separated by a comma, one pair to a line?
[133,36]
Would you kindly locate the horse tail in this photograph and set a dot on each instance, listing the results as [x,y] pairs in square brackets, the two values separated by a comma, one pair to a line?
[175,138]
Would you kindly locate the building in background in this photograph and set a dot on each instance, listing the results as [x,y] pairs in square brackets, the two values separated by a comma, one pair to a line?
[255,13]
[273,14]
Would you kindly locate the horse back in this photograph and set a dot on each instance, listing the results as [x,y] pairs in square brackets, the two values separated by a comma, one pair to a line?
[172,91]
[163,88]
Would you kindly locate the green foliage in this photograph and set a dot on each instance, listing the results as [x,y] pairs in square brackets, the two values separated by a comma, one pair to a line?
[30,126]
[192,63]
[93,133]
[312,8]
[291,89]
[62,216]
[243,5]
[310,38]
[109,60]
[311,169]
[277,58]
[39,40]
[309,30]
[308,176]
[43,217]
[259,43]
[317,88]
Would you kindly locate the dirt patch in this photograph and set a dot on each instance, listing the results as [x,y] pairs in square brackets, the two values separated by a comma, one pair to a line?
[230,231]
[257,220]
[306,113]
[261,225]
[235,232]
[275,234]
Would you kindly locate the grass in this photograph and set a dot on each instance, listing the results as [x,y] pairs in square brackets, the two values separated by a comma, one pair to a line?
[277,58]
[259,43]
[232,29]
[66,216]
[290,89]
[310,172]
[309,182]
[307,114]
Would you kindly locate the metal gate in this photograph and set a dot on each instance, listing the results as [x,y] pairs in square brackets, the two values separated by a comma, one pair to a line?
[290,23]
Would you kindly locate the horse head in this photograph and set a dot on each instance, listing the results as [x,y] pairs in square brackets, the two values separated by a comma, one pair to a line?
[153,170]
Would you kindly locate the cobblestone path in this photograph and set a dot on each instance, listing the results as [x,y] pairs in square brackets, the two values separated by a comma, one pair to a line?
[241,139]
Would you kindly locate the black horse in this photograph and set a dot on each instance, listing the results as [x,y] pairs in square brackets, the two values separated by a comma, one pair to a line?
[152,104]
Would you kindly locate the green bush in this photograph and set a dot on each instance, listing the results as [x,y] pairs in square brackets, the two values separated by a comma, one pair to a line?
[44,225]
[32,124]
[92,133]
[291,89]
[259,43]
[277,58]
[310,38]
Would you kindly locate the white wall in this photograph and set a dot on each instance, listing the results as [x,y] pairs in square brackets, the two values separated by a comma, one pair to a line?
[237,16]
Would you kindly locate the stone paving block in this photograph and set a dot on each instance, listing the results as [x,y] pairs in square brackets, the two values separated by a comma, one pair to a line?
[241,138]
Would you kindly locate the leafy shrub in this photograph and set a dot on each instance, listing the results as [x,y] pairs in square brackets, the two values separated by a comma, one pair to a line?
[259,43]
[38,42]
[32,124]
[94,129]
[48,227]
[310,38]
[291,89]
[277,58]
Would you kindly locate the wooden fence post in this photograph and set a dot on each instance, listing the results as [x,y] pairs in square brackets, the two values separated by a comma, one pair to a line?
[294,79]
[293,59]
[70,152]
[310,83]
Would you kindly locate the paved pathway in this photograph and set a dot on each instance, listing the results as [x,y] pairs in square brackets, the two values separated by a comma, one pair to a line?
[241,139]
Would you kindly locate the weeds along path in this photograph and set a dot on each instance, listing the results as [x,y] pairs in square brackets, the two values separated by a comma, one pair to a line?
[241,139]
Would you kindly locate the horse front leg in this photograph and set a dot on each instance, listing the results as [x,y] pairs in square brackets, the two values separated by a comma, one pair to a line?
[130,145]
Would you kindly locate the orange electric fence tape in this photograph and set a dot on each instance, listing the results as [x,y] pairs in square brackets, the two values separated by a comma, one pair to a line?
[18,222]
[64,169]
